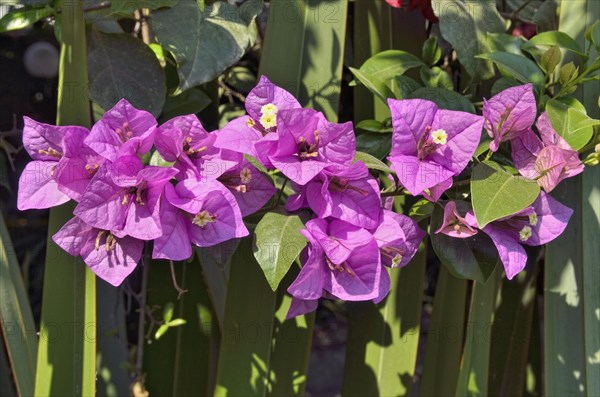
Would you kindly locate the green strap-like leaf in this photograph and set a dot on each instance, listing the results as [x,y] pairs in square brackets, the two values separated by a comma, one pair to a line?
[381,350]
[571,294]
[474,369]
[444,342]
[180,362]
[66,363]
[16,319]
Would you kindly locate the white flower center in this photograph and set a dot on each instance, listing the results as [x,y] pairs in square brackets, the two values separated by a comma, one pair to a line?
[533,219]
[525,233]
[439,137]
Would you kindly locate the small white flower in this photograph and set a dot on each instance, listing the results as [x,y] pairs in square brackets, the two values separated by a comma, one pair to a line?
[269,108]
[533,219]
[268,120]
[439,137]
[525,233]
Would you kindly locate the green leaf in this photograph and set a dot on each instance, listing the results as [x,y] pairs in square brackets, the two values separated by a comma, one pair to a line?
[556,38]
[503,83]
[521,68]
[550,59]
[67,365]
[21,18]
[184,30]
[444,342]
[277,243]
[421,210]
[161,331]
[372,126]
[246,344]
[190,101]
[436,77]
[465,25]
[126,8]
[403,86]
[177,322]
[372,162]
[389,64]
[502,42]
[168,312]
[444,98]
[431,51]
[383,339]
[497,194]
[593,34]
[374,84]
[376,144]
[241,78]
[16,319]
[571,123]
[121,66]
[473,258]
[545,18]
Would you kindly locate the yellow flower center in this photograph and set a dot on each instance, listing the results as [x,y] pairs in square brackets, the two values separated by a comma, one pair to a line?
[439,137]
[269,108]
[533,219]
[268,120]
[525,233]
[245,175]
[203,218]
[250,123]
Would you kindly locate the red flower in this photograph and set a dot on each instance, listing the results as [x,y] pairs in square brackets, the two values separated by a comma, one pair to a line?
[417,5]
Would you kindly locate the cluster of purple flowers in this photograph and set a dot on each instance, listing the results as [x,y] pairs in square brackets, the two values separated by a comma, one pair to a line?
[179,185]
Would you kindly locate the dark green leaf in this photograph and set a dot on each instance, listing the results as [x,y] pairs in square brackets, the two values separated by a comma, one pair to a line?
[502,42]
[472,258]
[184,30]
[376,144]
[546,16]
[372,126]
[497,194]
[503,83]
[277,244]
[421,210]
[241,78]
[188,102]
[403,86]
[121,66]
[568,73]
[444,98]
[371,162]
[465,25]
[521,68]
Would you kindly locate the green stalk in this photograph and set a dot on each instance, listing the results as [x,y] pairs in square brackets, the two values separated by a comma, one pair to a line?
[66,362]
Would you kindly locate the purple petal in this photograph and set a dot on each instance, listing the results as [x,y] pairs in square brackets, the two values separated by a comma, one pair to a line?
[266,92]
[512,254]
[74,235]
[309,283]
[410,118]
[436,191]
[299,307]
[416,175]
[298,171]
[238,136]
[552,219]
[37,187]
[401,234]
[453,224]
[364,283]
[318,197]
[250,188]
[524,149]
[549,165]
[39,137]
[113,265]
[514,108]
[174,243]
[359,205]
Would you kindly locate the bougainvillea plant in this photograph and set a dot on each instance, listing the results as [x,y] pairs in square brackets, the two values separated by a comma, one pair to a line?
[177,185]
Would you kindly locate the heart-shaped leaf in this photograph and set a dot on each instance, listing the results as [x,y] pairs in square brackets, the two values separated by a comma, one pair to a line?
[571,122]
[497,194]
[277,243]
[473,258]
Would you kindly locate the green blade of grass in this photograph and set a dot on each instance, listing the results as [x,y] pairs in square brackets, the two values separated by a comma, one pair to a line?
[16,319]
[444,342]
[66,363]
